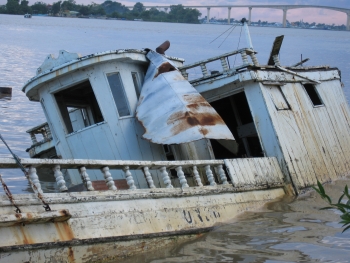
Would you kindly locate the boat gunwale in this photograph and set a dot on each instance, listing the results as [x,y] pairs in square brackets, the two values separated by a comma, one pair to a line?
[128,195]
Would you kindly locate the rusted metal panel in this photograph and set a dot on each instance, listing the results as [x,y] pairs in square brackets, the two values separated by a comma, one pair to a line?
[172,111]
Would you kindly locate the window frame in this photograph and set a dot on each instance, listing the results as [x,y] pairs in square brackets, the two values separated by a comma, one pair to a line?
[274,98]
[64,110]
[316,92]
[131,113]
[138,82]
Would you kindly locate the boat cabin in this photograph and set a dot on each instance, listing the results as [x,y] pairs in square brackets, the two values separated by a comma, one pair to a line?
[298,115]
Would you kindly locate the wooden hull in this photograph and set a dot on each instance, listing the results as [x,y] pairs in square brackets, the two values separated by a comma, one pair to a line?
[109,225]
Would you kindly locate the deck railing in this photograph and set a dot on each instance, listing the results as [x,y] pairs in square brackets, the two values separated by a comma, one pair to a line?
[244,52]
[42,129]
[105,165]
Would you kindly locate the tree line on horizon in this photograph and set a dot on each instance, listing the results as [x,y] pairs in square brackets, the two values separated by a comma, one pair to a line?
[111,9]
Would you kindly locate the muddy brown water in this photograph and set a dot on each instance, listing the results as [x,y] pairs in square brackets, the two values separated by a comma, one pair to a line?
[287,230]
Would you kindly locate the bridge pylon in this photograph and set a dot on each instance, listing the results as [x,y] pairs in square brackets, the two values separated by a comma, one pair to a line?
[284,22]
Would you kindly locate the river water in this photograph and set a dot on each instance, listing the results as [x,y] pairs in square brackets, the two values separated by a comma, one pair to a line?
[284,231]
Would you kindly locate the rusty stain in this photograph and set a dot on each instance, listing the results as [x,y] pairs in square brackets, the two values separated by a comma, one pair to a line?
[186,120]
[164,68]
[26,239]
[19,216]
[64,231]
[70,255]
[194,99]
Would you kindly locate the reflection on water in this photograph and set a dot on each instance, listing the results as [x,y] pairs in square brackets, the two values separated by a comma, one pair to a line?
[284,231]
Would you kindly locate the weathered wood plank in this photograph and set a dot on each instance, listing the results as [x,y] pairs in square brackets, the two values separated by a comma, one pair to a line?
[268,173]
[289,140]
[318,125]
[334,100]
[310,134]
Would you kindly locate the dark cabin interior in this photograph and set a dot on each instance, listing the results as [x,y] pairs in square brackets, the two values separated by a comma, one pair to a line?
[235,112]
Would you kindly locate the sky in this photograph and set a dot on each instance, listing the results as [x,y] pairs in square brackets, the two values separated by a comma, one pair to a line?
[264,14]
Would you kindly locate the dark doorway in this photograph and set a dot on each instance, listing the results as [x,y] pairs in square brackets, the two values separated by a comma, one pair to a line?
[235,112]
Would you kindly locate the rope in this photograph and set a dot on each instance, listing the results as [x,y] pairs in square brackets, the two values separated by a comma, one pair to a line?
[46,205]
[222,33]
[239,40]
[226,37]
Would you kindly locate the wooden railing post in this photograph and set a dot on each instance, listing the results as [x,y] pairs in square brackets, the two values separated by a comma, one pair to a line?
[108,178]
[196,176]
[33,137]
[210,175]
[148,177]
[61,183]
[222,174]
[129,178]
[244,57]
[166,178]
[224,64]
[86,179]
[254,59]
[35,180]
[204,70]
[181,176]
[184,74]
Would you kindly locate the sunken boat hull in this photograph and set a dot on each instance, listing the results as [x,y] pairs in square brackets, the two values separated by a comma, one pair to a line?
[291,127]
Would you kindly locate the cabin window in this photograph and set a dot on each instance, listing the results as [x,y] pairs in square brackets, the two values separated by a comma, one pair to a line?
[78,107]
[136,81]
[313,94]
[278,98]
[117,88]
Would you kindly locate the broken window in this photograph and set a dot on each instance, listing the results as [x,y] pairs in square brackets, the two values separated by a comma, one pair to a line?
[313,94]
[117,88]
[78,107]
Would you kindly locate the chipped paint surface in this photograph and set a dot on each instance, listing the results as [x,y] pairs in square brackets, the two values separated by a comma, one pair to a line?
[96,226]
[172,111]
[314,139]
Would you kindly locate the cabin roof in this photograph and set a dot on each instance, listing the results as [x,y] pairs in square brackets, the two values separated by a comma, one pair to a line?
[68,62]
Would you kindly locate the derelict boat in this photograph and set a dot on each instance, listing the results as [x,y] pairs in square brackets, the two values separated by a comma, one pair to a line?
[142,153]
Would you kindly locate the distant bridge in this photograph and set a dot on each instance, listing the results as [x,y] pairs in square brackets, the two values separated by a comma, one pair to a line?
[284,8]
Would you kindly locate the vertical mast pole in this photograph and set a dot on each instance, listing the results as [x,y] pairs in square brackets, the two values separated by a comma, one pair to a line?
[247,34]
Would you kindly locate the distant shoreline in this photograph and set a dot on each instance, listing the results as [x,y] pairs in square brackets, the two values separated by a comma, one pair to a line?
[210,23]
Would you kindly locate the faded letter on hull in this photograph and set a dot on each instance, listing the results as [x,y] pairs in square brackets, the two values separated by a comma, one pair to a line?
[172,111]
